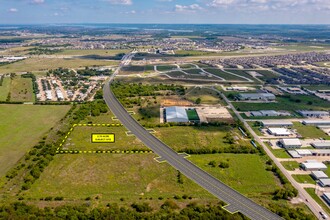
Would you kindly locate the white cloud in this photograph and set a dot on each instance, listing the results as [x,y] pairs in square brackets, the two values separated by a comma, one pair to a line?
[187,8]
[13,10]
[120,2]
[38,1]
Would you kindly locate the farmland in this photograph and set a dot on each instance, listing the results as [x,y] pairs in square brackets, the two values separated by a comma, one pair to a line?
[21,127]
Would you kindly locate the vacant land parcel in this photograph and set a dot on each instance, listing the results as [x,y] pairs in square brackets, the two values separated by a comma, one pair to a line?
[21,127]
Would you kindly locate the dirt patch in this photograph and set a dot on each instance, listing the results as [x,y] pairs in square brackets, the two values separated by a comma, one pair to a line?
[176,102]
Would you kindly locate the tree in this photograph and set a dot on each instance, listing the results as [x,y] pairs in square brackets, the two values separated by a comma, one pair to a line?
[198,101]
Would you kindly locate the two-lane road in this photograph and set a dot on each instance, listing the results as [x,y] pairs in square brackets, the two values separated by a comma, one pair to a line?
[236,201]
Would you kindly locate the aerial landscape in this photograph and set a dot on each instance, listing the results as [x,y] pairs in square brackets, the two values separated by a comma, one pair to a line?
[165,109]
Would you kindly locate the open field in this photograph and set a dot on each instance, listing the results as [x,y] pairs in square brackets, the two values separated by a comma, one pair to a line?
[241,73]
[40,64]
[112,177]
[304,179]
[5,88]
[166,67]
[21,89]
[92,52]
[291,103]
[317,87]
[290,165]
[309,131]
[80,139]
[193,71]
[207,96]
[191,137]
[311,192]
[21,127]
[279,153]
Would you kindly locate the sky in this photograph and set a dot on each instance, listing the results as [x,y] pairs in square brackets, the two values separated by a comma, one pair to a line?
[165,11]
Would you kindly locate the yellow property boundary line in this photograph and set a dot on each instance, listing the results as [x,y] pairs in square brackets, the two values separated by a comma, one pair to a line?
[59,150]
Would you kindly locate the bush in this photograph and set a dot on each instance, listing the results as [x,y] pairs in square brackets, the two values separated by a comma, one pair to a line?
[144,207]
[169,204]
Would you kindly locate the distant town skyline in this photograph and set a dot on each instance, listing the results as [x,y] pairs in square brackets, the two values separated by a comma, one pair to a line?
[166,11]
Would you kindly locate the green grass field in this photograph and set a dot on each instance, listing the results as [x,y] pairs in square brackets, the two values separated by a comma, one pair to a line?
[21,90]
[92,52]
[309,131]
[190,137]
[21,127]
[5,88]
[187,66]
[80,139]
[193,71]
[290,165]
[111,177]
[41,64]
[243,171]
[207,96]
[304,179]
[192,114]
[279,153]
[224,75]
[166,67]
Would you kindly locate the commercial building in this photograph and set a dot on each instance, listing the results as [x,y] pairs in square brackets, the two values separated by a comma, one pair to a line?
[290,143]
[324,182]
[176,114]
[276,123]
[304,152]
[269,113]
[294,154]
[316,122]
[313,165]
[315,114]
[256,96]
[279,131]
[321,152]
[321,144]
[317,175]
[326,197]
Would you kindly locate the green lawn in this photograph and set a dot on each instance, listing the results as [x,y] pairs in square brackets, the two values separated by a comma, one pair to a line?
[111,177]
[311,192]
[309,131]
[193,71]
[290,165]
[304,179]
[80,139]
[191,137]
[246,173]
[21,127]
[5,88]
[192,114]
[21,90]
[279,153]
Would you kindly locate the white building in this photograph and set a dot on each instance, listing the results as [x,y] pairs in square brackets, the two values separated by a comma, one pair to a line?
[49,95]
[276,123]
[321,144]
[304,152]
[317,175]
[316,122]
[176,114]
[315,114]
[279,131]
[256,96]
[326,197]
[313,166]
[324,182]
[290,143]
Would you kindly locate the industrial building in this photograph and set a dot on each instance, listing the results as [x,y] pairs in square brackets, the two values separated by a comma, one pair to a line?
[276,123]
[279,131]
[326,197]
[321,152]
[290,143]
[256,96]
[315,114]
[324,182]
[313,165]
[294,154]
[321,144]
[269,113]
[304,152]
[316,122]
[317,175]
[176,114]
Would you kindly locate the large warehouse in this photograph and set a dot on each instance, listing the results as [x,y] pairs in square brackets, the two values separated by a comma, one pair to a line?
[290,143]
[176,114]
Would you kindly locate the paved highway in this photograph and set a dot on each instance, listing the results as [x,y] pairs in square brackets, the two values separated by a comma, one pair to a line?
[236,201]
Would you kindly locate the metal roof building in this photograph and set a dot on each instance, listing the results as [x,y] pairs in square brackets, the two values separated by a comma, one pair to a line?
[313,113]
[321,144]
[279,131]
[326,197]
[290,143]
[319,175]
[176,114]
[276,123]
[313,165]
[324,182]
[256,96]
[316,122]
